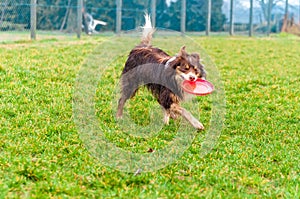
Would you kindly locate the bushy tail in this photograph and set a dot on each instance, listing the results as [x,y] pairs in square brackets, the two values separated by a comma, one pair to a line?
[148,31]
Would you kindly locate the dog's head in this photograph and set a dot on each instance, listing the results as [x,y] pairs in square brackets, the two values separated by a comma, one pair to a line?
[188,66]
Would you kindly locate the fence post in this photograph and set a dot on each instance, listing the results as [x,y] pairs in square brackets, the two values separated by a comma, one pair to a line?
[33,19]
[153,12]
[183,16]
[79,17]
[231,18]
[251,19]
[119,16]
[208,22]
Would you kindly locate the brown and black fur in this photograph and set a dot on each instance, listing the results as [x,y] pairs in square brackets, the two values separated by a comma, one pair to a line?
[162,75]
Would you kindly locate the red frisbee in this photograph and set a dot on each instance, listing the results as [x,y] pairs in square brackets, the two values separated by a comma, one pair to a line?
[198,87]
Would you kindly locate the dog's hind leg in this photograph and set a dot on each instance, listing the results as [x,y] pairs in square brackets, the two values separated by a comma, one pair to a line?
[166,116]
[127,92]
[121,104]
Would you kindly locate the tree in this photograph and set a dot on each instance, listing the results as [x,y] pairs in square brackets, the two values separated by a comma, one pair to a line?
[133,12]
[162,16]
[218,18]
[174,16]
[2,11]
[51,14]
[264,4]
[196,15]
[15,13]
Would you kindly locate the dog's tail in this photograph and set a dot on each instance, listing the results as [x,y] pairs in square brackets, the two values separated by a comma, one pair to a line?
[148,31]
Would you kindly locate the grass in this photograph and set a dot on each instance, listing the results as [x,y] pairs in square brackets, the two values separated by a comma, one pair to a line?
[256,156]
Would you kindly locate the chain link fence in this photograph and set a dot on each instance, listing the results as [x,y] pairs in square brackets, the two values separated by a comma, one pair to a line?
[53,18]
[14,16]
[61,17]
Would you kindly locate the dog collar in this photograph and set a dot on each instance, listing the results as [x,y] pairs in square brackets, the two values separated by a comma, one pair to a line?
[169,61]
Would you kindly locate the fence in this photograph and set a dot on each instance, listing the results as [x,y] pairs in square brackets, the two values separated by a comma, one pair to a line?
[248,17]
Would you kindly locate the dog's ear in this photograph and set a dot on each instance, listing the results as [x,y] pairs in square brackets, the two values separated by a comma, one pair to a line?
[196,56]
[182,52]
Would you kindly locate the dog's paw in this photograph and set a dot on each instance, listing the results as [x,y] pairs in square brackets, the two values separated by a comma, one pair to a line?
[199,126]
[166,120]
[119,116]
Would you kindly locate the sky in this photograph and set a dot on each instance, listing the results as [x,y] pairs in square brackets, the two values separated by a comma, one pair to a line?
[169,1]
[246,3]
[294,2]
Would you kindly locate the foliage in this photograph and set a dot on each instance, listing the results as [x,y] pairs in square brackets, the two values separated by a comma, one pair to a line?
[51,13]
[196,15]
[162,15]
[217,18]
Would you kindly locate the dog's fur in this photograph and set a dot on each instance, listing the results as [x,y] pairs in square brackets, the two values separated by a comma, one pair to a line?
[162,75]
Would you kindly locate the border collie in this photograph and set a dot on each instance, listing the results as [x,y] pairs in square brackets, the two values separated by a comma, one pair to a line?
[162,74]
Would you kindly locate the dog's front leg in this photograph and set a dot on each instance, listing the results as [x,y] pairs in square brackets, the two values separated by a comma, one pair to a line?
[188,116]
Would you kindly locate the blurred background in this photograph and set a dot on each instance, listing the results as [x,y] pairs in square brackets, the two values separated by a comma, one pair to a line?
[69,17]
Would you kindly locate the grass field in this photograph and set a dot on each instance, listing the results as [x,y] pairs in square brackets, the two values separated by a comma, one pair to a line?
[256,156]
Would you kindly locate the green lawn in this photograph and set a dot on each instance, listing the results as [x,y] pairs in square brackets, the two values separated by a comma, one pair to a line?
[42,154]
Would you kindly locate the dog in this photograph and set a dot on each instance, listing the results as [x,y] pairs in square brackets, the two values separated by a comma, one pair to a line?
[162,74]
